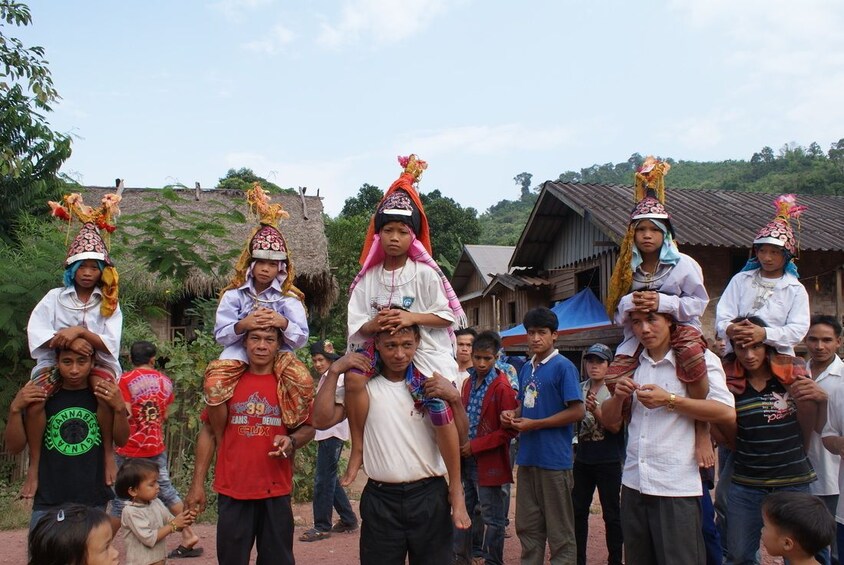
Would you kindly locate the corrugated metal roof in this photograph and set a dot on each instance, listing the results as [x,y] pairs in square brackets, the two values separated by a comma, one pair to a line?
[716,218]
[515,281]
[487,260]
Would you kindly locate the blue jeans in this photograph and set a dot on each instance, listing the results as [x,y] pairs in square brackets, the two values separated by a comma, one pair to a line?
[485,506]
[744,515]
[327,490]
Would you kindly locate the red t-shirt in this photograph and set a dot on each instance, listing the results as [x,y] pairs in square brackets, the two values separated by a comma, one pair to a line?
[244,469]
[150,393]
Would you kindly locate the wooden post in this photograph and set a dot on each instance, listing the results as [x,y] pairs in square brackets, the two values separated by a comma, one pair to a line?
[196,191]
[302,190]
[839,293]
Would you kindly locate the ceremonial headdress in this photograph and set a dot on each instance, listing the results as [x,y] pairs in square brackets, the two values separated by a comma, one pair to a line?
[265,242]
[401,203]
[649,196]
[779,232]
[89,243]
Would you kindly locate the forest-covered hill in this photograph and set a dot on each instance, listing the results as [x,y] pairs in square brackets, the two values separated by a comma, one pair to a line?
[793,168]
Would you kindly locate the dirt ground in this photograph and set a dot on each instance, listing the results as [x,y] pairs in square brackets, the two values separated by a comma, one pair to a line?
[339,549]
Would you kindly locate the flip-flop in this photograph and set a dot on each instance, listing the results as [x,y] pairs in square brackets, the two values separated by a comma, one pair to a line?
[314,535]
[183,551]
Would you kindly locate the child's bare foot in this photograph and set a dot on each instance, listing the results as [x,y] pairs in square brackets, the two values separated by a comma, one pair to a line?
[30,484]
[704,452]
[355,463]
[189,539]
[459,515]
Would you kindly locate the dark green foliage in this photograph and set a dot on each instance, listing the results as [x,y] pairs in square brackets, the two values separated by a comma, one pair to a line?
[451,227]
[502,223]
[364,203]
[172,240]
[29,270]
[243,178]
[30,152]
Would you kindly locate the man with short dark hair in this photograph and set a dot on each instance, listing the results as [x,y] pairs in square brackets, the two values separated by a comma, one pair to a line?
[254,471]
[661,486]
[328,493]
[827,369]
[549,405]
[464,337]
[405,508]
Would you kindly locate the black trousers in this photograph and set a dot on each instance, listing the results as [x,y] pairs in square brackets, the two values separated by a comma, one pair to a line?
[242,523]
[606,477]
[406,521]
[661,530]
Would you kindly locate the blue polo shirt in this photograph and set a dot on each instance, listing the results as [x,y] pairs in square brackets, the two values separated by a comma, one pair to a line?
[543,392]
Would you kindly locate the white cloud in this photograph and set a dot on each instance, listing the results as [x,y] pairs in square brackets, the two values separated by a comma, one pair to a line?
[235,10]
[702,132]
[785,61]
[385,21]
[773,37]
[488,140]
[278,38]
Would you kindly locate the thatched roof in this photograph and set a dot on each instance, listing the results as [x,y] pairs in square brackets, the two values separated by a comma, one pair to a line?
[304,232]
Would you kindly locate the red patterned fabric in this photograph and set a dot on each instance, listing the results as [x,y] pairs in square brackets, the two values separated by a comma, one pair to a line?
[785,368]
[295,385]
[50,380]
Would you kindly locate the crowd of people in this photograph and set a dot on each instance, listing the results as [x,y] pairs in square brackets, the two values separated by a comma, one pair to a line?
[438,419]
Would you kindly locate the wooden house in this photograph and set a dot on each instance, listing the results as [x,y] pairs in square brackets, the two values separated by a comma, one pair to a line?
[572,236]
[474,271]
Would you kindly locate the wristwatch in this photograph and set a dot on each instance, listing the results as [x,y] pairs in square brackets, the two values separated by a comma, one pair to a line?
[671,398]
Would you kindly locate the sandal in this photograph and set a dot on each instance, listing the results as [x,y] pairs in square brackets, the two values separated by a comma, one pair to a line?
[183,551]
[341,527]
[314,535]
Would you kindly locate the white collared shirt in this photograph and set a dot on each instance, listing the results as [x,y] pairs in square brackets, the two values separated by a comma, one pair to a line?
[825,463]
[661,443]
[340,430]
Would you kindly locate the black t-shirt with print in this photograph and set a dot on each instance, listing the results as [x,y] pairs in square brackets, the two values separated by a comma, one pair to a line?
[72,455]
[769,442]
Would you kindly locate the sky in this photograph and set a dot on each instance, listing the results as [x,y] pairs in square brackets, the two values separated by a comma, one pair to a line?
[326,94]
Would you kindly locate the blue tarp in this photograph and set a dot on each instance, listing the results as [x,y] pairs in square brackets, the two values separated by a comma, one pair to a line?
[582,311]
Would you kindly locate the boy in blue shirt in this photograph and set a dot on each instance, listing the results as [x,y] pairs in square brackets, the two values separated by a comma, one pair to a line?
[550,403]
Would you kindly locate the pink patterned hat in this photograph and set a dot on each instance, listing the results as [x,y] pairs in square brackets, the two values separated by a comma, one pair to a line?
[88,244]
[268,243]
[778,231]
[649,208]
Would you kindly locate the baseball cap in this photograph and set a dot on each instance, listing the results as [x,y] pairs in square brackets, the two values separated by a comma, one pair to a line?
[600,350]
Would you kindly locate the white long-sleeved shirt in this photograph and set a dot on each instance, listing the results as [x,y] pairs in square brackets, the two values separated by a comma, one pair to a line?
[237,303]
[661,443]
[61,308]
[681,294]
[825,463]
[786,311]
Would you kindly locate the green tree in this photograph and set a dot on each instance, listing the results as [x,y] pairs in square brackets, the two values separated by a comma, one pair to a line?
[451,227]
[173,241]
[364,203]
[243,179]
[523,180]
[30,152]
